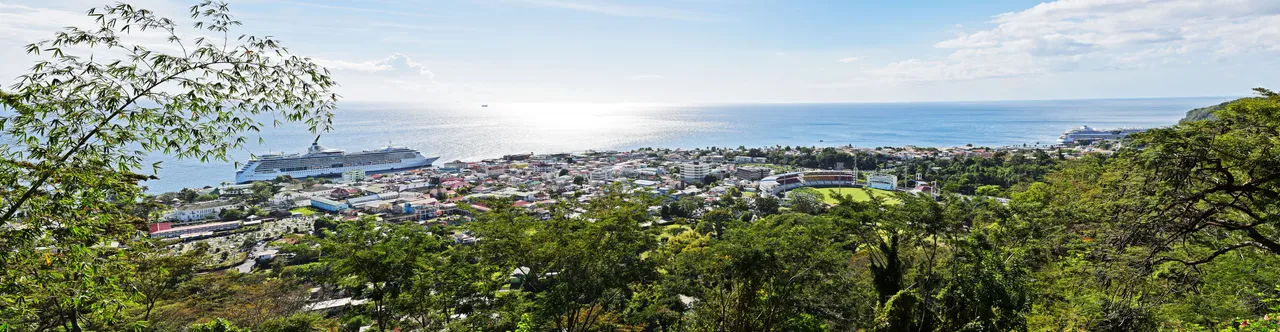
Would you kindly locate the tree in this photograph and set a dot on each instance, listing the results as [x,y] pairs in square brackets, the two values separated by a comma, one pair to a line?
[160,272]
[989,190]
[187,195]
[282,179]
[716,222]
[261,192]
[217,325]
[448,281]
[1213,185]
[205,197]
[579,180]
[761,276]
[563,172]
[577,268]
[709,179]
[766,205]
[322,225]
[232,214]
[300,322]
[362,254]
[79,127]
[806,200]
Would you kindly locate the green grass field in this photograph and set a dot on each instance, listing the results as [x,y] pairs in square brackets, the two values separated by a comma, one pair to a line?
[304,211]
[859,194]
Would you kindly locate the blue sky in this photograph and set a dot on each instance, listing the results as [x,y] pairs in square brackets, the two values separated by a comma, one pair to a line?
[683,51]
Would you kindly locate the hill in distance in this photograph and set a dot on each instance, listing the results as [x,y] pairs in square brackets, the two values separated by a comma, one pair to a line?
[1203,113]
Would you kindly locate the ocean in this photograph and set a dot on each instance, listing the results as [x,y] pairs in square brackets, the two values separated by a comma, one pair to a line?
[472,132]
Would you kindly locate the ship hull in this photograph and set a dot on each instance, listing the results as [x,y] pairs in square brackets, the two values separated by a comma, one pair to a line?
[249,175]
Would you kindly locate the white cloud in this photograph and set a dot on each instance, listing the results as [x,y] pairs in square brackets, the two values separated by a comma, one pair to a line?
[850,59]
[29,24]
[365,9]
[396,64]
[1074,35]
[646,77]
[614,9]
[400,78]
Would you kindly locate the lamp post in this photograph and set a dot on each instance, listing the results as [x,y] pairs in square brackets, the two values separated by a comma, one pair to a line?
[934,189]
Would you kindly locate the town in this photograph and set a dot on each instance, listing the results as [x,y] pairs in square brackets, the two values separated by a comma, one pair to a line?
[238,222]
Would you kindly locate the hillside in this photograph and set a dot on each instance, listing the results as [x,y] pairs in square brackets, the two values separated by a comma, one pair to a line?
[1203,113]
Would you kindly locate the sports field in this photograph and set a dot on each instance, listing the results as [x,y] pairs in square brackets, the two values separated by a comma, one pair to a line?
[859,194]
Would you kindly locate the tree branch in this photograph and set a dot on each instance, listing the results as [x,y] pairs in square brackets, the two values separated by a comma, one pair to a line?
[1209,258]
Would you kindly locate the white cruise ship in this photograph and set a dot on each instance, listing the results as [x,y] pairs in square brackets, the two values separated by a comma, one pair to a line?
[1084,134]
[320,161]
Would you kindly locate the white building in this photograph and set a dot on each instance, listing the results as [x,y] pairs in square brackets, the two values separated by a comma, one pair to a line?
[495,170]
[694,172]
[881,181]
[601,175]
[454,165]
[415,184]
[540,167]
[198,211]
[353,175]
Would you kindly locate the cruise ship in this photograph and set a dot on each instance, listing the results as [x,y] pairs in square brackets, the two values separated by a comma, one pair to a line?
[1085,135]
[320,161]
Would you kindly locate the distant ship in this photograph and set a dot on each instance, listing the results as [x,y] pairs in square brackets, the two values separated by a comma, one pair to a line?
[320,161]
[484,105]
[1085,135]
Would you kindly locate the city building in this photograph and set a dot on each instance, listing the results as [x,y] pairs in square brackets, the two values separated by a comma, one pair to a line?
[195,229]
[198,211]
[453,166]
[353,175]
[695,172]
[751,173]
[328,204]
[882,181]
[601,175]
[495,170]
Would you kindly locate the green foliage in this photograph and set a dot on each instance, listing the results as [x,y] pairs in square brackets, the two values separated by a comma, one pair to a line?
[187,195]
[989,190]
[261,192]
[217,325]
[77,127]
[1213,184]
[709,180]
[1203,113]
[806,200]
[300,322]
[766,205]
[206,197]
[578,269]
[232,214]
[965,175]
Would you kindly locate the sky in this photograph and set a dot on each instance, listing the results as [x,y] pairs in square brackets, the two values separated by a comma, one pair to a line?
[742,51]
